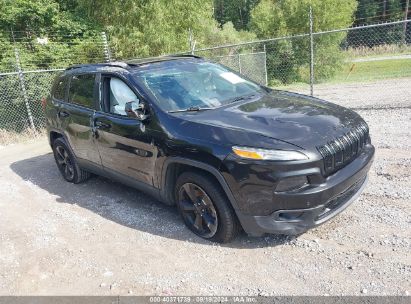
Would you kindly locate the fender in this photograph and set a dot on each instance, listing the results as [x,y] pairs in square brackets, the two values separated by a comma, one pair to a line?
[210,169]
[55,130]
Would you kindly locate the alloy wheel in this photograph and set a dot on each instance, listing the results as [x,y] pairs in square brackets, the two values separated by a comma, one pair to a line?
[64,162]
[198,210]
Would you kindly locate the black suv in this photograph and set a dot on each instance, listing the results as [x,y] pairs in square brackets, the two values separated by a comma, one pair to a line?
[228,152]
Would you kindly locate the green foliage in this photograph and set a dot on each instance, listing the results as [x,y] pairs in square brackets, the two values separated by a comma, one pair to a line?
[373,11]
[151,28]
[67,38]
[40,17]
[234,11]
[288,60]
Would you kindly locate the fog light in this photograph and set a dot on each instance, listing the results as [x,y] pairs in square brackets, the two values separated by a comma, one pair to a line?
[291,183]
[289,216]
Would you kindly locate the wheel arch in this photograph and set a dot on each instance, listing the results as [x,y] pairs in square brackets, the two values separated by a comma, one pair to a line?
[53,135]
[174,166]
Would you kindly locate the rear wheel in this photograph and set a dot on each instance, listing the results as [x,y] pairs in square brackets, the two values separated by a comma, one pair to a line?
[205,209]
[67,164]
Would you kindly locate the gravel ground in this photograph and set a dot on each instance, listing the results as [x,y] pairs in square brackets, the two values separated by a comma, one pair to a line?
[388,93]
[102,238]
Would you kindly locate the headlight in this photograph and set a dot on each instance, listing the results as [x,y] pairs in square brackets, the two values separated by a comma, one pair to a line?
[264,154]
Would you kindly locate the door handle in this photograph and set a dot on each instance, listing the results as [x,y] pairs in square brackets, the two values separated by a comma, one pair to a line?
[102,125]
[63,114]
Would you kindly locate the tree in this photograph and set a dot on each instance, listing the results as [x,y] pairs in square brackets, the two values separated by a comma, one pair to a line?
[288,59]
[41,16]
[375,11]
[235,11]
[47,33]
[150,28]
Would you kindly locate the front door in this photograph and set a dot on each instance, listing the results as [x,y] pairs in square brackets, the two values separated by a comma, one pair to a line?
[125,144]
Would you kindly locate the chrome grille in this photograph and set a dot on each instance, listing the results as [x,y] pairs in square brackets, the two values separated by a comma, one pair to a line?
[340,151]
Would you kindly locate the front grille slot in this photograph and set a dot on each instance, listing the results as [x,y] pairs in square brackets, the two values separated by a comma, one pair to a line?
[342,150]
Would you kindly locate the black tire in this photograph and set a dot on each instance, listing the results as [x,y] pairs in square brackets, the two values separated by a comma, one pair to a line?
[67,163]
[219,223]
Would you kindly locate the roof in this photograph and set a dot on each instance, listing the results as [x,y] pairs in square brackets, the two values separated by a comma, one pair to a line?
[130,63]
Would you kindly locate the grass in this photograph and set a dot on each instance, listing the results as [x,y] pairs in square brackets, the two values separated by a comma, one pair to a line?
[10,137]
[379,50]
[364,71]
[360,72]
[373,70]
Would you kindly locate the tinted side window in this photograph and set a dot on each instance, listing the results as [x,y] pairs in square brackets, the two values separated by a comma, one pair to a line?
[82,89]
[60,89]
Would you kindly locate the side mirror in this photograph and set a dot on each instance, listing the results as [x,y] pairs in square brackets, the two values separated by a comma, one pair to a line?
[136,110]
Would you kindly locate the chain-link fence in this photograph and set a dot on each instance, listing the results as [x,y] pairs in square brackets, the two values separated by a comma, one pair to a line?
[28,65]
[252,65]
[21,113]
[370,67]
[366,66]
[358,67]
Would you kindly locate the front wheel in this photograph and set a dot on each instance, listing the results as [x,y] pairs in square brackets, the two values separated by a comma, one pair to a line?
[205,209]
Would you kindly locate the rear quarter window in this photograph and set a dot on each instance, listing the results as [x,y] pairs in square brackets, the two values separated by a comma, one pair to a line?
[82,90]
[59,91]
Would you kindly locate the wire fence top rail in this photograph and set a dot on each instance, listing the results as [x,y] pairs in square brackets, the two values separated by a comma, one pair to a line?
[32,71]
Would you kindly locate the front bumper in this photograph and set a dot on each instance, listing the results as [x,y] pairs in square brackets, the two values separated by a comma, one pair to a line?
[297,221]
[297,211]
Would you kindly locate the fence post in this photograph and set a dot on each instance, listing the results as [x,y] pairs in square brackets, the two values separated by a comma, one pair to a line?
[407,6]
[311,54]
[23,88]
[191,41]
[239,63]
[107,53]
[265,65]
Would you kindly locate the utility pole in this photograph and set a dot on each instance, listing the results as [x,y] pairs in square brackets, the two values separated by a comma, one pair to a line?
[407,7]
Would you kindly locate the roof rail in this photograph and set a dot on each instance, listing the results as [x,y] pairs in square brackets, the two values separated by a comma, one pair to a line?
[184,55]
[119,64]
[131,62]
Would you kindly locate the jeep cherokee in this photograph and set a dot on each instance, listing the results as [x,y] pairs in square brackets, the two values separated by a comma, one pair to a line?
[228,152]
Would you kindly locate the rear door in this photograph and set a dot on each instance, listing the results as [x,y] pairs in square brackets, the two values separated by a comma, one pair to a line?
[58,97]
[76,117]
[126,145]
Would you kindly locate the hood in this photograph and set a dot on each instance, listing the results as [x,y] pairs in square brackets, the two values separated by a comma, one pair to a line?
[297,119]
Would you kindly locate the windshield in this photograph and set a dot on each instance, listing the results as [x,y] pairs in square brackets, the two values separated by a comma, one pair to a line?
[193,84]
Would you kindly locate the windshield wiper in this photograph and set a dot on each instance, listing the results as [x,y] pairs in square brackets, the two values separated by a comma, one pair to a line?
[240,98]
[191,109]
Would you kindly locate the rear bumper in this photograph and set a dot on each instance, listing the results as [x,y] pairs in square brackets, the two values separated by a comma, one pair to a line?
[297,221]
